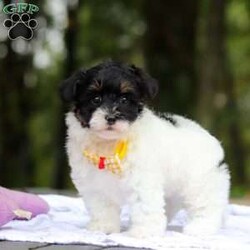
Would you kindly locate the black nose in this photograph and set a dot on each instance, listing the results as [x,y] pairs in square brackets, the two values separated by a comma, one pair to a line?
[110,119]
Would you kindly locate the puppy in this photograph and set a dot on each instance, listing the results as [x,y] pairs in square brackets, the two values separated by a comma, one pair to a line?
[121,152]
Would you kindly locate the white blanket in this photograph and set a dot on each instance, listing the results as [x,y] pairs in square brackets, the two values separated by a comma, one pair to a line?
[67,218]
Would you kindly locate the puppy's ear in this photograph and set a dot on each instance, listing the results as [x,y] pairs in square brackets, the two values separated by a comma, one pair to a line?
[68,88]
[148,85]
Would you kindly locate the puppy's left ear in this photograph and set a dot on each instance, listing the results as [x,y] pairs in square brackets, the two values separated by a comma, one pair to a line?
[68,88]
[147,85]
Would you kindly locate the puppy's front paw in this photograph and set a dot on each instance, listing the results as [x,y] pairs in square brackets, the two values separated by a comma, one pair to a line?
[104,227]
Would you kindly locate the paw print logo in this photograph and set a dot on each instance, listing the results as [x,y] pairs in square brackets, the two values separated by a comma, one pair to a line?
[20,26]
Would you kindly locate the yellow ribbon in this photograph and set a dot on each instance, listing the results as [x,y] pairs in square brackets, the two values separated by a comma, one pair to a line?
[111,163]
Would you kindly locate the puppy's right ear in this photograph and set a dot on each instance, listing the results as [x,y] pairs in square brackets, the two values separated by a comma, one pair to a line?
[68,88]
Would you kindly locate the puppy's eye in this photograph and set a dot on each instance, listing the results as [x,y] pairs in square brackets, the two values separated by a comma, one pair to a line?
[124,100]
[97,100]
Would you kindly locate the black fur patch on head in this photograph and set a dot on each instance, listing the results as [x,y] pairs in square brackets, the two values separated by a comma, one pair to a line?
[119,88]
[68,88]
[147,85]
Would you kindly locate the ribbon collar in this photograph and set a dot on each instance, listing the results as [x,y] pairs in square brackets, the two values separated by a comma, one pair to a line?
[113,162]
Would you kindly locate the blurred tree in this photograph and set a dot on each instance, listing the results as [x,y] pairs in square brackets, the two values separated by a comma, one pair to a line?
[217,98]
[169,49]
[109,29]
[15,156]
[71,33]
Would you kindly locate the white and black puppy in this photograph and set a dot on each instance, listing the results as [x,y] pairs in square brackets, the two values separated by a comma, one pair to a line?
[121,152]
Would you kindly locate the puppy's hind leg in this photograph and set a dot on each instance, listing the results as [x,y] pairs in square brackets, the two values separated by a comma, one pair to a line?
[206,203]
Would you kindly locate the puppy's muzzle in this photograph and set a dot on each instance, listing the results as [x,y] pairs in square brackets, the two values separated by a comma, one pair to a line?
[111,119]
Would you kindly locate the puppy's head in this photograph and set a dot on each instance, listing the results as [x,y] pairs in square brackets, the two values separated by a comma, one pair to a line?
[109,97]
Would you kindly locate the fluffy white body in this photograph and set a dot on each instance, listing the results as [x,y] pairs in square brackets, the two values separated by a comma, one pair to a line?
[167,167]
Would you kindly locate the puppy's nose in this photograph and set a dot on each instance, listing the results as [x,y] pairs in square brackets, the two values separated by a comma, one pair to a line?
[110,119]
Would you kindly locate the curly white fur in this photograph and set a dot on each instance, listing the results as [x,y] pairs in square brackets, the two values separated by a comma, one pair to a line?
[167,168]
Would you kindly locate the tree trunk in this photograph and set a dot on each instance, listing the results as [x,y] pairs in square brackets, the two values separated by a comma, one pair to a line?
[62,169]
[218,106]
[212,77]
[170,43]
[15,157]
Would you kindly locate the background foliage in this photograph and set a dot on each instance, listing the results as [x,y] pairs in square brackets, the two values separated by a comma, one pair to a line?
[199,50]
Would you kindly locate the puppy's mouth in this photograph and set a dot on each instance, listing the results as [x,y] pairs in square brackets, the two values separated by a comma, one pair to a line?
[110,128]
[106,125]
[114,131]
